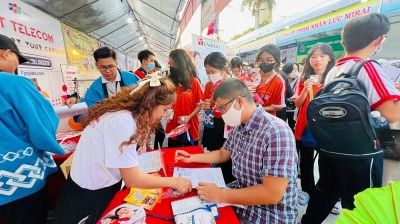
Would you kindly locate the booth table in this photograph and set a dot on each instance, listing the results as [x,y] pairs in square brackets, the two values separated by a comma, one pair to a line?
[163,208]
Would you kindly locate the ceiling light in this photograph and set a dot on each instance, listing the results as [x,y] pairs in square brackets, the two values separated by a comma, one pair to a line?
[363,1]
[287,27]
[129,20]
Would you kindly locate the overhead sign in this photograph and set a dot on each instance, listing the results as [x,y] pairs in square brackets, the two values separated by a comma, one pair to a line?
[79,49]
[331,21]
[210,9]
[334,41]
[256,44]
[39,37]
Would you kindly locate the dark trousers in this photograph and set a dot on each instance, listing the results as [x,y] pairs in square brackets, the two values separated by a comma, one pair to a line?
[339,178]
[76,203]
[281,114]
[290,120]
[31,209]
[159,136]
[306,160]
[176,143]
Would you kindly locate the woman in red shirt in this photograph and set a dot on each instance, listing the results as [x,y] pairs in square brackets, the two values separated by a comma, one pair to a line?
[216,66]
[189,95]
[320,60]
[272,87]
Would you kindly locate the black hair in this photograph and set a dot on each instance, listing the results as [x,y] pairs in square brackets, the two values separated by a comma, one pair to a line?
[236,62]
[185,67]
[273,50]
[308,70]
[288,67]
[361,31]
[144,55]
[216,60]
[157,65]
[195,53]
[104,52]
[231,88]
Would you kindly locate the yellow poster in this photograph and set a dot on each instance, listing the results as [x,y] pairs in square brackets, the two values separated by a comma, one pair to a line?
[79,49]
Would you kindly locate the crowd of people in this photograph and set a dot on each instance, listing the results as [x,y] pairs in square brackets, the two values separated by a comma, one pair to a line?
[253,131]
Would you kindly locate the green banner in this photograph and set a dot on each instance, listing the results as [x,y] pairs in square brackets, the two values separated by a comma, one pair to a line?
[334,41]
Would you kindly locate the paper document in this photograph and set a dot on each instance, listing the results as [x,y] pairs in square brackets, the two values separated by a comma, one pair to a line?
[76,109]
[150,162]
[196,175]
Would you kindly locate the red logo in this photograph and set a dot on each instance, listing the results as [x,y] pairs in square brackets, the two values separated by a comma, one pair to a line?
[200,41]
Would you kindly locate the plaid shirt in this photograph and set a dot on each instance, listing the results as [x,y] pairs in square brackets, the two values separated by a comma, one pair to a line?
[265,147]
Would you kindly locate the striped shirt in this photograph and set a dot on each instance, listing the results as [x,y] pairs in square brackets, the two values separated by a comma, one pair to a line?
[379,87]
[265,146]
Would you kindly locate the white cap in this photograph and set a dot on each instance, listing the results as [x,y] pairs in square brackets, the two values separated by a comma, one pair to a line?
[245,63]
[375,114]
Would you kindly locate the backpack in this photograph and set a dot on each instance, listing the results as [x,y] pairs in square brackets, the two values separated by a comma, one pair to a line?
[339,118]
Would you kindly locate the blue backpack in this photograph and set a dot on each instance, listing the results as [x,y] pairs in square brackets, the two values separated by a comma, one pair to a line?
[339,118]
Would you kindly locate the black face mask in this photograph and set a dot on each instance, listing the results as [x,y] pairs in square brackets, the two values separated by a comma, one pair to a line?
[267,67]
[174,75]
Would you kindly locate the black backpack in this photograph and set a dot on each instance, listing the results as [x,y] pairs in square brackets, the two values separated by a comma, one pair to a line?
[340,120]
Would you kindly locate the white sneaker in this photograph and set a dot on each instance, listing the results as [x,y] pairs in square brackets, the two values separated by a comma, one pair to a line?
[337,208]
[303,197]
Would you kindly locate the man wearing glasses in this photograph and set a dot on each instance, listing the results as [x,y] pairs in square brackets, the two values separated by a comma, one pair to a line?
[264,159]
[110,82]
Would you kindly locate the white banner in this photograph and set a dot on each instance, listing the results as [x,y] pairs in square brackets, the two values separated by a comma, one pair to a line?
[202,47]
[39,37]
[121,59]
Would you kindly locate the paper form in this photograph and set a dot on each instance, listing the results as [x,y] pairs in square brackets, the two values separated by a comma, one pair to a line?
[196,175]
[150,162]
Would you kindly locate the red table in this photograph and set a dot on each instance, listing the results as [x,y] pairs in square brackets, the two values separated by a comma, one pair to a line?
[227,215]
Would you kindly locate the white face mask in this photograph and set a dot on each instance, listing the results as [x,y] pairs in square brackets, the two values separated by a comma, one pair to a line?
[214,78]
[293,75]
[379,48]
[232,117]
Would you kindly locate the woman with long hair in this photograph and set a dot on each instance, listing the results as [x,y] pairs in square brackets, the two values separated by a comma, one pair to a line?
[319,61]
[216,66]
[271,89]
[106,153]
[189,95]
[292,72]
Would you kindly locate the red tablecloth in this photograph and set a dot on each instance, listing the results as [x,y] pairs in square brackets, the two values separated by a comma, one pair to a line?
[227,215]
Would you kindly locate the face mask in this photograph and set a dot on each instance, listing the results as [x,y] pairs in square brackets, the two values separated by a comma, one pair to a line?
[214,78]
[379,48]
[267,67]
[174,75]
[151,66]
[293,75]
[232,116]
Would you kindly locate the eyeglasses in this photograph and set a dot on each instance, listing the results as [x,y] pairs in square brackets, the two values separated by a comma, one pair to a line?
[271,61]
[222,107]
[105,68]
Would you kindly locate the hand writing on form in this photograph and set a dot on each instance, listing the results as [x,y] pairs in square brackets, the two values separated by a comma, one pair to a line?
[210,192]
[183,156]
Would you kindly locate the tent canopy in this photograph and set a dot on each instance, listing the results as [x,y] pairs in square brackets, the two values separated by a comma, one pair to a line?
[154,24]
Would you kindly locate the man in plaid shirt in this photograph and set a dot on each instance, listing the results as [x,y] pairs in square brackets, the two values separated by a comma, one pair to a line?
[264,159]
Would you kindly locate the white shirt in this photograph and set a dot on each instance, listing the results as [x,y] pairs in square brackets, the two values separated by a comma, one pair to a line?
[98,156]
[379,87]
[112,87]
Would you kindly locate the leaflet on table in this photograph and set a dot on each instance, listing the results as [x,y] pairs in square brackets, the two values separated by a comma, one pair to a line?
[197,175]
[193,210]
[125,213]
[145,198]
[150,162]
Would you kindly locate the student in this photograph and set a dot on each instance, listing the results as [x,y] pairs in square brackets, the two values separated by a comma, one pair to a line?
[264,158]
[188,97]
[345,178]
[272,87]
[320,60]
[146,58]
[216,66]
[28,127]
[106,153]
[110,82]
[157,66]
